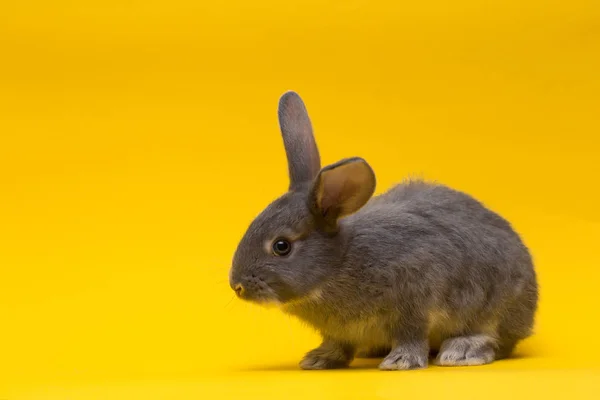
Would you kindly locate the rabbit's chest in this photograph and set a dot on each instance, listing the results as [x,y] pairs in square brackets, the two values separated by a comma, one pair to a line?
[343,326]
[364,331]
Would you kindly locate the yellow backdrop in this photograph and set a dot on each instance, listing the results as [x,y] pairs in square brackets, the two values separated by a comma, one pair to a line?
[139,138]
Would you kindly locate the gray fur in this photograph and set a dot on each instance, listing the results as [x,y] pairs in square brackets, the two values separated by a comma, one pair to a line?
[419,268]
[300,147]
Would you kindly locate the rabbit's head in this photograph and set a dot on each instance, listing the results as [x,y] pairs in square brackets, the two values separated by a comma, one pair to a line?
[297,242]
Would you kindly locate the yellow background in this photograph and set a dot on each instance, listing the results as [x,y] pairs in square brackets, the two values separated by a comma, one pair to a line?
[139,138]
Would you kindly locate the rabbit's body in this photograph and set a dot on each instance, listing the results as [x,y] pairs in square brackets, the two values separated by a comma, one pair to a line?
[421,267]
[456,265]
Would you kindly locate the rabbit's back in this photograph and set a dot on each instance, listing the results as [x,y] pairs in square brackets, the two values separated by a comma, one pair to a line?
[433,228]
[440,202]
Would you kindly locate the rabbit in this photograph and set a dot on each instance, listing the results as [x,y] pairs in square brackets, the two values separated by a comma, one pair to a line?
[419,270]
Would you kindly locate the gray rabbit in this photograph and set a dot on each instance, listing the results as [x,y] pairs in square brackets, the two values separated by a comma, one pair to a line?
[421,268]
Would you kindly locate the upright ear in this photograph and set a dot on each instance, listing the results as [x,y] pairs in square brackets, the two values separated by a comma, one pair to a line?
[341,189]
[300,147]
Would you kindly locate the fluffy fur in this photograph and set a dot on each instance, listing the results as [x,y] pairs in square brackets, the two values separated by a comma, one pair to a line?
[419,268]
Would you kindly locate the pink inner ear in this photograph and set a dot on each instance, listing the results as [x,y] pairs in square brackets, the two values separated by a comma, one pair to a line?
[332,190]
[343,189]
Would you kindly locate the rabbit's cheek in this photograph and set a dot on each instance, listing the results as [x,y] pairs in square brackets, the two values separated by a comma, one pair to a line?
[283,291]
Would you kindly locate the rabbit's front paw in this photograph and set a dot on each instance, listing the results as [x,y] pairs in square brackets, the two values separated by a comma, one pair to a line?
[402,358]
[325,358]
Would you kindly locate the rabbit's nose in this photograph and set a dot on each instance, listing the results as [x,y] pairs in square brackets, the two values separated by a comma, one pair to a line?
[239,289]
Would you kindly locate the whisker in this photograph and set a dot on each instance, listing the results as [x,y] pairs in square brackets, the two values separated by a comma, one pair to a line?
[229,302]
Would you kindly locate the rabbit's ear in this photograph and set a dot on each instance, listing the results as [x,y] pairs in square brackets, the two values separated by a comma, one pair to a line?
[302,154]
[341,189]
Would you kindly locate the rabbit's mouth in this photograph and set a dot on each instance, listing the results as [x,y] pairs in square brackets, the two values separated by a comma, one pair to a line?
[254,289]
[263,296]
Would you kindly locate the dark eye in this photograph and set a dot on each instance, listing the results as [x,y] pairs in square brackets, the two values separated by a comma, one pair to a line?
[282,247]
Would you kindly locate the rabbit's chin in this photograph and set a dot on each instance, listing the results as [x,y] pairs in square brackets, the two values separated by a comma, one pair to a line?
[268,299]
[270,304]
[314,295]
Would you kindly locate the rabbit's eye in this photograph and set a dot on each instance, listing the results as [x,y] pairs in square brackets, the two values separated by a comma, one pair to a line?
[282,247]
